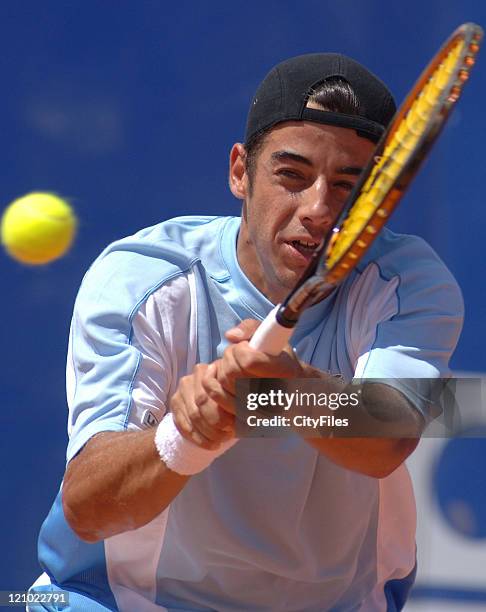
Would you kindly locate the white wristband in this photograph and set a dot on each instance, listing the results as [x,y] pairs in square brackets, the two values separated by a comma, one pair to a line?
[181,455]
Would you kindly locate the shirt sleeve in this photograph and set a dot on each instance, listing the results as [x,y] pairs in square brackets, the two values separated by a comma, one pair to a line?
[121,366]
[405,327]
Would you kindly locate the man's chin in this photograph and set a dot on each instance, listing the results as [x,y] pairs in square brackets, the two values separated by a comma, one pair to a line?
[289,279]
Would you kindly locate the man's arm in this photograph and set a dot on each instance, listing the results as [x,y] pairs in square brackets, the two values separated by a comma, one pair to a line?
[377,457]
[118,482]
[120,369]
[382,410]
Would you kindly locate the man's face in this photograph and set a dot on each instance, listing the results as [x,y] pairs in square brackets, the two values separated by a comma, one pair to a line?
[303,175]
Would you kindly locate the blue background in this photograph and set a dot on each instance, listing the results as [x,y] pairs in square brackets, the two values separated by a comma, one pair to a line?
[129,108]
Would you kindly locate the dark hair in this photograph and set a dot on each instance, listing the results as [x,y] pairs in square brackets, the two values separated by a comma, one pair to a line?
[334,94]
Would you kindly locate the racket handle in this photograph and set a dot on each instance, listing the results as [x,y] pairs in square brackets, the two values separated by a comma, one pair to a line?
[271,337]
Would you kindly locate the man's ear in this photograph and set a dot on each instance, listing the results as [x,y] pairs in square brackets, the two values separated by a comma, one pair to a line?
[238,177]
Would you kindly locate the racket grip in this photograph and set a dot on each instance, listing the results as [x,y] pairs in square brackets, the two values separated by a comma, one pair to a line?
[271,337]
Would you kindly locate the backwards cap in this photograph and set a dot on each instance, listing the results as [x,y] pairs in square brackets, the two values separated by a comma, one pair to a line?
[284,92]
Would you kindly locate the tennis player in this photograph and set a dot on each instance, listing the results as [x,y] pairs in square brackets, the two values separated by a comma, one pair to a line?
[162,507]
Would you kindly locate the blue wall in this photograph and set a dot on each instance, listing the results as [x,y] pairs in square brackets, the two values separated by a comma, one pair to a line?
[129,108]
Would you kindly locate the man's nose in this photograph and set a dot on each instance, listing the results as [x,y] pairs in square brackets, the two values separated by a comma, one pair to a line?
[317,207]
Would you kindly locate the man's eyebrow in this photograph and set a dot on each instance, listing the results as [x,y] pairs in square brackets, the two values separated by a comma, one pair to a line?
[289,156]
[354,170]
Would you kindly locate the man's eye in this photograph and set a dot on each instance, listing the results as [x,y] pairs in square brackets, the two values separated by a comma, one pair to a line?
[292,174]
[345,185]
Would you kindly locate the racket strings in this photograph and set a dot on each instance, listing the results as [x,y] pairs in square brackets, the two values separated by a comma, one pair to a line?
[395,155]
[423,107]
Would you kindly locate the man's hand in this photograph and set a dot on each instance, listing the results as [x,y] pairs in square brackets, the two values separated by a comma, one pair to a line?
[242,361]
[298,368]
[202,411]
[204,407]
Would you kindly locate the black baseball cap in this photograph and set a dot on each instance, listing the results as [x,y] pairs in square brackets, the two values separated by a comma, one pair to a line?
[284,92]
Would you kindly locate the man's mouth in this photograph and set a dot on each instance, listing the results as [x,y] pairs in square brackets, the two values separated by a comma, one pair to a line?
[306,247]
[302,251]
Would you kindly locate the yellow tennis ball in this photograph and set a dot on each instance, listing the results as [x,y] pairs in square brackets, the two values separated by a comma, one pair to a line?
[38,228]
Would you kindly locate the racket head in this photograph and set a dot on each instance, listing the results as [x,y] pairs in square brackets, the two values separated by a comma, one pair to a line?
[400,152]
[396,160]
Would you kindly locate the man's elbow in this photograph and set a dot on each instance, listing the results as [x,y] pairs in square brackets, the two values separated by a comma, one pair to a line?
[396,454]
[75,519]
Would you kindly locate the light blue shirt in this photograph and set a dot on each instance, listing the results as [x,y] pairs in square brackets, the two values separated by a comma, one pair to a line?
[272,524]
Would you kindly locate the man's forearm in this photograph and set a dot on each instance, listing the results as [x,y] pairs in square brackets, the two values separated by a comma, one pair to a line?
[375,457]
[384,428]
[117,483]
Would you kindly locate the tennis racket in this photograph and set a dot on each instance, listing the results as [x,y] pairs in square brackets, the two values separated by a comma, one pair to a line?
[396,160]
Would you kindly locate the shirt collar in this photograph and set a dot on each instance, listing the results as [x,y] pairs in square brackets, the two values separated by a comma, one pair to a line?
[247,300]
